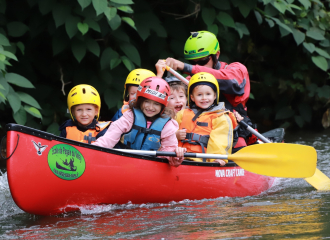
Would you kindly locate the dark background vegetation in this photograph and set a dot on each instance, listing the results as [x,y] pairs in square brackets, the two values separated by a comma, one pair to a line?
[49,46]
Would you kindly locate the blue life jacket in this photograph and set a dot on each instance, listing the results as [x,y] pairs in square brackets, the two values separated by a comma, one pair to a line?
[142,138]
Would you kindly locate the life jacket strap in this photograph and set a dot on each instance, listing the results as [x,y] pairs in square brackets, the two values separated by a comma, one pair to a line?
[197,139]
[146,130]
[89,138]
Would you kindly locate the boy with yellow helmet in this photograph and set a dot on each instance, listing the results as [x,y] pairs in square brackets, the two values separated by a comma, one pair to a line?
[132,83]
[84,105]
[209,126]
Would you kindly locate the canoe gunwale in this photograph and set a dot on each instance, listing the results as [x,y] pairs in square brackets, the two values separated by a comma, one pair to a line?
[49,136]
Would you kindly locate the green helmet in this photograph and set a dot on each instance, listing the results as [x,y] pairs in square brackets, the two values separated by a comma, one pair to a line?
[201,44]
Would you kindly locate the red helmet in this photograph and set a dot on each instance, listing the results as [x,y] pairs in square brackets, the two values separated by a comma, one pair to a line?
[154,88]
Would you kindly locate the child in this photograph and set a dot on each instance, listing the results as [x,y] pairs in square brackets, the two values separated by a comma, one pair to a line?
[145,126]
[133,80]
[84,105]
[208,124]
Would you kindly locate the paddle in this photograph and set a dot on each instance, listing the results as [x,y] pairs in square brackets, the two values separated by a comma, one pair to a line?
[319,180]
[275,159]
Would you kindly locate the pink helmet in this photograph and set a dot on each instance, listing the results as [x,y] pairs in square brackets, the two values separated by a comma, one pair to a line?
[154,88]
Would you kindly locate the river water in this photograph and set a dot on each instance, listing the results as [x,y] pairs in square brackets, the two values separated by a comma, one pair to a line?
[290,209]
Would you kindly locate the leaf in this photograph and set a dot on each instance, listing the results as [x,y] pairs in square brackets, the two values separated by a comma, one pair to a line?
[322,52]
[129,21]
[83,28]
[306,3]
[282,25]
[208,15]
[93,46]
[123,1]
[222,5]
[99,6]
[315,33]
[325,43]
[8,54]
[71,26]
[84,3]
[45,6]
[298,36]
[226,19]
[20,116]
[2,97]
[128,64]
[309,46]
[244,9]
[93,25]
[53,128]
[213,29]
[14,101]
[251,96]
[24,97]
[126,9]
[21,47]
[284,113]
[78,49]
[18,80]
[280,6]
[114,62]
[60,14]
[4,40]
[259,17]
[299,120]
[242,29]
[17,29]
[324,92]
[305,112]
[109,57]
[115,22]
[320,62]
[270,22]
[110,12]
[33,111]
[111,98]
[131,52]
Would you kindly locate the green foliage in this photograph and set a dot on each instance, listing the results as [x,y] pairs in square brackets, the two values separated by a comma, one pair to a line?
[49,46]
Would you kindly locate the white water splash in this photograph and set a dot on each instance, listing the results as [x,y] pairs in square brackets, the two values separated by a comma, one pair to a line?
[7,204]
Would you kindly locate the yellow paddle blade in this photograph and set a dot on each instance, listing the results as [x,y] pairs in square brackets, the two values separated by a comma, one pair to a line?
[277,160]
[319,180]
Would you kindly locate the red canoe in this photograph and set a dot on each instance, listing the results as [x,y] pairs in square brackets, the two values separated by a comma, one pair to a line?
[50,175]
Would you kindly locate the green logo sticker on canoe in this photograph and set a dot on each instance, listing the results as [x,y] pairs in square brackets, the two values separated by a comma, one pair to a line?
[66,162]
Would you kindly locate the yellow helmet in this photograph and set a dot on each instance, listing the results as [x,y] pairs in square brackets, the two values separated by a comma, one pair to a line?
[200,78]
[83,94]
[135,77]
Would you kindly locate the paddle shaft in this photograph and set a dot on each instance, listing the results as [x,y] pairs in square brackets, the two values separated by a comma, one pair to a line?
[251,130]
[173,154]
[178,75]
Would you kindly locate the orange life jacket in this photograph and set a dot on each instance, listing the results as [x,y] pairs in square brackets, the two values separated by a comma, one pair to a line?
[72,132]
[125,107]
[198,131]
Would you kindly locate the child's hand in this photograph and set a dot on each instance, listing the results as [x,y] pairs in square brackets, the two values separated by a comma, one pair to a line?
[222,162]
[238,116]
[160,67]
[176,161]
[174,64]
[181,134]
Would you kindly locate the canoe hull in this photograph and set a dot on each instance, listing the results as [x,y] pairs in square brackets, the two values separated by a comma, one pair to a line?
[104,176]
